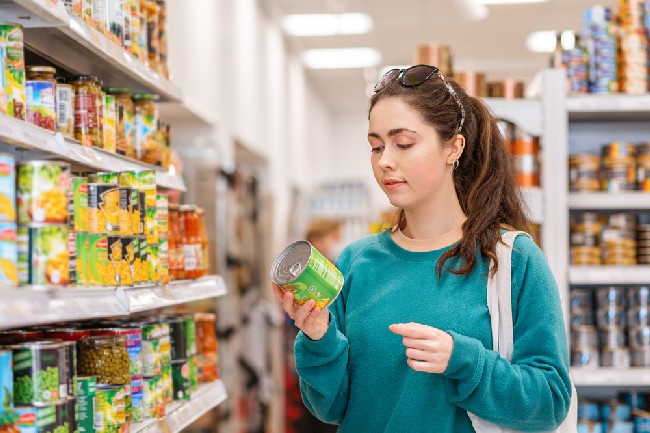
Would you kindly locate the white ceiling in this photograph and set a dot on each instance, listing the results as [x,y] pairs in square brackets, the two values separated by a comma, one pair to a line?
[495,45]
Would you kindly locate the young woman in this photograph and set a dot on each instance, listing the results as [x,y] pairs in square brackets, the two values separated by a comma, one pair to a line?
[407,345]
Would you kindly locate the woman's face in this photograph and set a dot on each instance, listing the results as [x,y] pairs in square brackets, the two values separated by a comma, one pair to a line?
[409,161]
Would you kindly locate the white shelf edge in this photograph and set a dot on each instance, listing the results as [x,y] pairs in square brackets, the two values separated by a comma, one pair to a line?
[526,113]
[609,274]
[182,414]
[30,137]
[53,14]
[607,103]
[628,377]
[24,306]
[608,200]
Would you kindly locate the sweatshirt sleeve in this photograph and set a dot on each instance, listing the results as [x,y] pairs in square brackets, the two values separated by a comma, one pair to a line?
[533,391]
[323,364]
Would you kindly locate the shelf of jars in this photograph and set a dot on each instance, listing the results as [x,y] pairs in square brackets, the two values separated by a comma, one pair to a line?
[181,414]
[615,377]
[629,200]
[25,306]
[608,107]
[24,135]
[609,275]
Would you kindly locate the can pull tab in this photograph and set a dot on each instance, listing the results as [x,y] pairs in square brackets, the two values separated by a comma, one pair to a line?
[295,270]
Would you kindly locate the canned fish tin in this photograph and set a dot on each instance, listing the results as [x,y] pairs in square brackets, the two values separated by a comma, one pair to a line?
[584,336]
[581,300]
[7,188]
[65,109]
[585,357]
[610,317]
[13,68]
[103,208]
[639,296]
[36,373]
[8,255]
[304,271]
[641,357]
[43,191]
[6,380]
[86,403]
[611,297]
[43,419]
[137,395]
[181,379]
[110,411]
[638,317]
[639,337]
[178,334]
[43,257]
[612,337]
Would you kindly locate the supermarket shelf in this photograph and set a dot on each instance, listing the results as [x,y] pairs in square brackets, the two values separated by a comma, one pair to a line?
[26,306]
[534,199]
[608,107]
[181,414]
[626,377]
[607,200]
[609,274]
[72,44]
[41,13]
[30,137]
[188,113]
[526,113]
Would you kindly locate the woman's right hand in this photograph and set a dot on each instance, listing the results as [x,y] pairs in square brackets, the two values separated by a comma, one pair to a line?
[309,318]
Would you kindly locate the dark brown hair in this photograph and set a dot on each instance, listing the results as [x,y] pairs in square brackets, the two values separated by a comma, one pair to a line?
[485,178]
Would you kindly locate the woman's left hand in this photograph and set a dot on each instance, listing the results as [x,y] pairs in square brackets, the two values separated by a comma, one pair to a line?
[427,349]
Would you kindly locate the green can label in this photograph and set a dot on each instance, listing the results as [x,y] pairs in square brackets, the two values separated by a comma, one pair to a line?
[194,372]
[101,269]
[110,413]
[166,384]
[80,203]
[304,271]
[82,243]
[36,374]
[86,404]
[181,380]
[190,326]
[104,178]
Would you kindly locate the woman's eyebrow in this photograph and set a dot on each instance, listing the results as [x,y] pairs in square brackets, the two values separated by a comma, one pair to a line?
[392,132]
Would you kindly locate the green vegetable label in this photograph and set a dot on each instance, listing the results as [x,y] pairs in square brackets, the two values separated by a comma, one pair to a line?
[45,419]
[36,375]
[190,324]
[80,203]
[86,404]
[110,413]
[194,372]
[166,384]
[137,394]
[181,380]
[43,256]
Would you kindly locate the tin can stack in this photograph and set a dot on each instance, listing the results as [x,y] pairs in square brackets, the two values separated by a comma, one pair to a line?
[633,47]
[586,239]
[618,167]
[643,244]
[525,150]
[627,413]
[8,246]
[576,63]
[599,38]
[584,334]
[619,240]
[643,166]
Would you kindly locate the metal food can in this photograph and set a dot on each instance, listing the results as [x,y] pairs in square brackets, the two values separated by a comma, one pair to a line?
[165,343]
[80,203]
[612,337]
[128,261]
[190,326]
[36,373]
[43,191]
[6,378]
[149,396]
[151,360]
[167,384]
[43,257]
[162,214]
[125,211]
[43,418]
[301,269]
[179,343]
[65,109]
[101,267]
[8,256]
[137,396]
[104,178]
[611,297]
[72,255]
[110,410]
[83,244]
[584,336]
[181,379]
[141,267]
[103,208]
[153,263]
[134,211]
[68,366]
[581,300]
[163,259]
[194,372]
[13,69]
[606,317]
[7,188]
[585,357]
[143,211]
[110,124]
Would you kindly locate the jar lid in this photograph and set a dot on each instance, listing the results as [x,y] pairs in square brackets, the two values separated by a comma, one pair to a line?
[46,69]
[116,90]
[186,208]
[82,78]
[144,97]
[174,207]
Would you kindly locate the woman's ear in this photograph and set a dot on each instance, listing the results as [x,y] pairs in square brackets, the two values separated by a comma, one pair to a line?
[456,149]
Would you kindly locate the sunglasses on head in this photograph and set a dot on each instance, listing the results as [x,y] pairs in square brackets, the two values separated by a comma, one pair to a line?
[416,75]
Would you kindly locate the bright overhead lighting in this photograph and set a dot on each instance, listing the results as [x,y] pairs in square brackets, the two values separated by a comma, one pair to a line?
[507,2]
[341,58]
[327,24]
[545,41]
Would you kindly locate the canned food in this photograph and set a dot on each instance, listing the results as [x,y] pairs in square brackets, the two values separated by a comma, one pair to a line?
[641,356]
[167,384]
[141,266]
[82,246]
[106,358]
[610,317]
[586,256]
[639,336]
[40,92]
[125,209]
[611,297]
[11,40]
[65,109]
[639,296]
[110,124]
[8,255]
[137,395]
[127,264]
[151,359]
[153,263]
[615,357]
[301,269]
[103,208]
[42,419]
[163,259]
[162,214]
[190,326]
[110,412]
[588,411]
[585,357]
[6,378]
[142,197]
[581,299]
[36,373]
[43,256]
[71,415]
[194,372]
[584,336]
[178,333]
[638,317]
[134,212]
[149,403]
[165,344]
[7,188]
[68,368]
[181,379]
[72,256]
[104,254]
[86,403]
[43,191]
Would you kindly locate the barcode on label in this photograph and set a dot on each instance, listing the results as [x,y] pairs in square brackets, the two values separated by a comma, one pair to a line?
[99,421]
[62,114]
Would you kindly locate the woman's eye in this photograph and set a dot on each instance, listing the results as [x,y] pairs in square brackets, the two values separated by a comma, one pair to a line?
[377,149]
[404,146]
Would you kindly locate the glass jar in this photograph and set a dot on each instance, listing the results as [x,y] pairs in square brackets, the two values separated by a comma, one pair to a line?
[204,241]
[175,243]
[124,124]
[147,148]
[40,90]
[191,241]
[65,107]
[207,347]
[162,39]
[150,11]
[85,109]
[106,358]
[100,100]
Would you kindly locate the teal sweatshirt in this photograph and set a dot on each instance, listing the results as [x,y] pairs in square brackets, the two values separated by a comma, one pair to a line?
[357,375]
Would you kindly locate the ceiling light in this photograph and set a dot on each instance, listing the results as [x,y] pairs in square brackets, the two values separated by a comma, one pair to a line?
[327,24]
[508,2]
[545,41]
[340,58]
